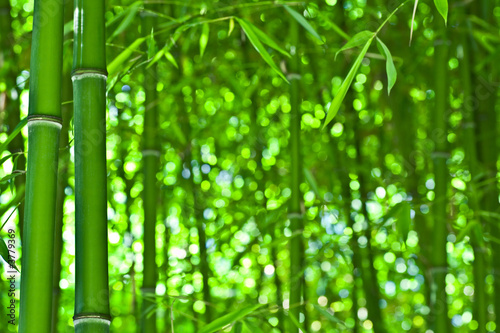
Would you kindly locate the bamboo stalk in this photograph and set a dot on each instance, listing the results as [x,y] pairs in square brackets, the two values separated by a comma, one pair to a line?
[439,269]
[151,154]
[44,126]
[89,96]
[294,209]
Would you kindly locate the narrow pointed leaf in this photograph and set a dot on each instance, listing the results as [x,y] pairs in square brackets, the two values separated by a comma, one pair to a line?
[264,38]
[295,321]
[4,253]
[465,231]
[303,22]
[115,65]
[328,315]
[151,45]
[204,38]
[356,40]
[171,59]
[413,19]
[404,221]
[228,319]
[389,66]
[254,39]
[11,176]
[14,133]
[129,17]
[312,181]
[339,97]
[231,26]
[442,7]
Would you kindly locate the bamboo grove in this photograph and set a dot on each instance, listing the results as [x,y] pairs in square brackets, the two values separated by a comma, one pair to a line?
[249,166]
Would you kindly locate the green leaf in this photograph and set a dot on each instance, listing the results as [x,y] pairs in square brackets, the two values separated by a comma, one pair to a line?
[442,7]
[11,176]
[151,44]
[312,181]
[358,39]
[229,318]
[231,26]
[115,65]
[404,221]
[204,38]
[4,253]
[303,22]
[413,19]
[339,97]
[392,74]
[295,321]
[2,161]
[251,327]
[268,40]
[129,17]
[466,231]
[14,133]
[254,39]
[171,59]
[328,315]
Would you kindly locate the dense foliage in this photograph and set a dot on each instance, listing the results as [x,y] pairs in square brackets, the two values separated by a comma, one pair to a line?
[276,166]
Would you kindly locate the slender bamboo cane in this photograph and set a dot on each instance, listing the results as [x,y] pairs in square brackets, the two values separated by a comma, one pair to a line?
[369,274]
[44,126]
[62,181]
[477,242]
[294,209]
[150,155]
[439,307]
[8,102]
[89,102]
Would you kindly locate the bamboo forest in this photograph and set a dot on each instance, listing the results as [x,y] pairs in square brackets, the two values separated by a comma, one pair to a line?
[249,166]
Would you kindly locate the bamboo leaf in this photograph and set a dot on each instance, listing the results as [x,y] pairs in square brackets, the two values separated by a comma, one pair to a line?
[131,11]
[312,181]
[231,26]
[357,40]
[413,19]
[14,133]
[115,65]
[442,8]
[264,38]
[4,253]
[465,231]
[251,327]
[389,66]
[254,39]
[171,59]
[5,158]
[295,321]
[229,318]
[204,38]
[303,22]
[404,221]
[11,176]
[339,97]
[151,45]
[328,315]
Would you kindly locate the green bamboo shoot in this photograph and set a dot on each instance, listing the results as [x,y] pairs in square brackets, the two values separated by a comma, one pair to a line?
[89,101]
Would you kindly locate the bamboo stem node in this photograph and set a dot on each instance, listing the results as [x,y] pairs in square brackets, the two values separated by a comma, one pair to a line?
[45,118]
[92,318]
[81,73]
[440,154]
[438,269]
[295,216]
[151,152]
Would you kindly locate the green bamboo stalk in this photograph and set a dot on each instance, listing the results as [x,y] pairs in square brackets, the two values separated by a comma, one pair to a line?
[477,242]
[9,70]
[62,181]
[369,274]
[439,307]
[294,208]
[89,101]
[44,126]
[150,153]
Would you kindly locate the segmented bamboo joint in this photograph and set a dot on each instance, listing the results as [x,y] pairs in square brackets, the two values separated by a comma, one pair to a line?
[294,216]
[150,152]
[46,118]
[81,73]
[91,317]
